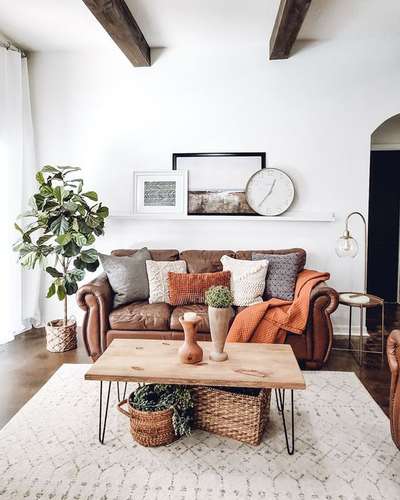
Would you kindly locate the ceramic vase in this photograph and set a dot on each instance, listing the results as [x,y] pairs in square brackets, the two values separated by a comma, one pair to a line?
[190,352]
[219,325]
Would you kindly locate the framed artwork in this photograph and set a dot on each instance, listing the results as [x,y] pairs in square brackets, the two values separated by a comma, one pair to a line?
[217,181]
[160,192]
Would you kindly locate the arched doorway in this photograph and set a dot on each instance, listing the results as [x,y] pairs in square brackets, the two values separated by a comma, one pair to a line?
[384,211]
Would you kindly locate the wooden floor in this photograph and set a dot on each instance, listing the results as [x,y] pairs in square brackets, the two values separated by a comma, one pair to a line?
[26,365]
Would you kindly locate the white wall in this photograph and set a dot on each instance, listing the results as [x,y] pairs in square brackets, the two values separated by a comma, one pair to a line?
[387,134]
[313,114]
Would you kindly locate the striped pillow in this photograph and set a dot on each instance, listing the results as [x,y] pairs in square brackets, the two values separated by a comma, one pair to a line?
[191,288]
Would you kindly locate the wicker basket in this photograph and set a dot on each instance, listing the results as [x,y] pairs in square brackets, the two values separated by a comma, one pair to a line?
[230,413]
[149,428]
[60,337]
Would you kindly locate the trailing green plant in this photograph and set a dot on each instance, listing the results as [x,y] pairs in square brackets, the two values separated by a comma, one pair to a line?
[219,296]
[63,222]
[157,397]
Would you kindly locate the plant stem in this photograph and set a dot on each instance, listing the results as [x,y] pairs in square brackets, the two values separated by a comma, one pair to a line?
[65,264]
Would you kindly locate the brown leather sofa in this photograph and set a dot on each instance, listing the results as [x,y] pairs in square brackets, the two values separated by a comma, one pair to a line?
[393,354]
[102,323]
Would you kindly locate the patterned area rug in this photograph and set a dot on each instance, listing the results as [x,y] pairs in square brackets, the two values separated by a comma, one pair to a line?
[49,450]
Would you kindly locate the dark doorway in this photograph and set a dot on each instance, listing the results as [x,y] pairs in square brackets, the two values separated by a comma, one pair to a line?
[383,224]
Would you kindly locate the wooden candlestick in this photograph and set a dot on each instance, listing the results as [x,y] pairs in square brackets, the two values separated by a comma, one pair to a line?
[190,352]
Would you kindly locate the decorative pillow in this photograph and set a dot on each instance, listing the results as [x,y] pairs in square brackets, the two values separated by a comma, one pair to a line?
[247,279]
[190,288]
[282,274]
[157,272]
[127,276]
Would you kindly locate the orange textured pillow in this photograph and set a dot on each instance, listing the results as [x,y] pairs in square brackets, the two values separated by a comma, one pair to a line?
[191,288]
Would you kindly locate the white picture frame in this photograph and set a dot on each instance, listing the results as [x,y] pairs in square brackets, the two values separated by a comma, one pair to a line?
[160,192]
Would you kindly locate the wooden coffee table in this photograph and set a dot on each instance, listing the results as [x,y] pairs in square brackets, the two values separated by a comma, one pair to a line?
[263,366]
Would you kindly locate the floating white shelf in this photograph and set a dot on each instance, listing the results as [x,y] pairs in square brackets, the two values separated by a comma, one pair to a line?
[292,217]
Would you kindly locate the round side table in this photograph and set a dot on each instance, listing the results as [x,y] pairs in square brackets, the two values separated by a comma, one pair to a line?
[345,299]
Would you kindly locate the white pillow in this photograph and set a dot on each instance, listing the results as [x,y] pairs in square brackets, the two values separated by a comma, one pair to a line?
[247,279]
[157,272]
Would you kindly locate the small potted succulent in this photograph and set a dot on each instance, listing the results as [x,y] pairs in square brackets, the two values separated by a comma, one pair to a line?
[219,300]
[62,224]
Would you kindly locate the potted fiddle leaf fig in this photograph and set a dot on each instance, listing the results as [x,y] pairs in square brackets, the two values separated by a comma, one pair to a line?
[61,226]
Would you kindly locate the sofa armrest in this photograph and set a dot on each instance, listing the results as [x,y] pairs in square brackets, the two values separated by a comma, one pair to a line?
[393,355]
[324,301]
[96,299]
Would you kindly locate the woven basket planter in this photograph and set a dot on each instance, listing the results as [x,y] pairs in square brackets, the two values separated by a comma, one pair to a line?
[231,413]
[60,337]
[149,428]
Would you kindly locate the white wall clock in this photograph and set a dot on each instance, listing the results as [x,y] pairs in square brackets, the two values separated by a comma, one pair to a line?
[270,191]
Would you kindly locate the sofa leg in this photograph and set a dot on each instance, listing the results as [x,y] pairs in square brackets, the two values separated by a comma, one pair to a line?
[313,365]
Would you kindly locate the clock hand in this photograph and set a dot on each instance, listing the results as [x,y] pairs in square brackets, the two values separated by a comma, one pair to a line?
[269,192]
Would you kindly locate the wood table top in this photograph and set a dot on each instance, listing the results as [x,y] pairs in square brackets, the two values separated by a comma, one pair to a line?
[156,361]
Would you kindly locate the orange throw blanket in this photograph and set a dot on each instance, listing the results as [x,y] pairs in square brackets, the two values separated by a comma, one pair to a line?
[263,322]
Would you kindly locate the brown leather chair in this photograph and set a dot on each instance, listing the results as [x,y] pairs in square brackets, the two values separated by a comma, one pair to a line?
[393,354]
[102,323]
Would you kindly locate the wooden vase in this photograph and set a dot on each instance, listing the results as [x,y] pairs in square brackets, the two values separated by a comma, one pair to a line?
[190,352]
[219,325]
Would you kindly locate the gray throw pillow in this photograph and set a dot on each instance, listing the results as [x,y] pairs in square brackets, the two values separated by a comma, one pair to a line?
[127,276]
[282,273]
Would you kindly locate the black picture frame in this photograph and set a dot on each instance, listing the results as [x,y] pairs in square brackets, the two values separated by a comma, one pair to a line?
[263,162]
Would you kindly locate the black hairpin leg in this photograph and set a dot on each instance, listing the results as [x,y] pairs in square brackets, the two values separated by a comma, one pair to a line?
[102,425]
[119,394]
[280,401]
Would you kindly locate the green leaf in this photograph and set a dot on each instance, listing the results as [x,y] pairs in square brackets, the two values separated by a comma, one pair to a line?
[51,291]
[71,287]
[102,212]
[75,225]
[92,195]
[54,272]
[92,221]
[44,238]
[61,292]
[40,178]
[49,169]
[78,274]
[71,249]
[59,225]
[93,266]
[67,167]
[39,201]
[88,256]
[63,239]
[70,206]
[90,239]
[79,239]
[45,190]
[18,228]
[79,264]
[60,193]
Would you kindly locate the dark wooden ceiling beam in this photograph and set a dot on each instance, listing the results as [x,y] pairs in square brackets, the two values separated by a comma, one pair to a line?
[289,19]
[118,21]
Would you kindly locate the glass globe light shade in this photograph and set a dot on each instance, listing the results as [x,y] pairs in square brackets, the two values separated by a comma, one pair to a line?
[346,246]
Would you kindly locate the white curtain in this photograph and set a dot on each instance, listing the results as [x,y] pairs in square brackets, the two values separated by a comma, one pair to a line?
[19,290]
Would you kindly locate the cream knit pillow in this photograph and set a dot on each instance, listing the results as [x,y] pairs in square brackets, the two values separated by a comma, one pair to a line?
[157,272]
[247,279]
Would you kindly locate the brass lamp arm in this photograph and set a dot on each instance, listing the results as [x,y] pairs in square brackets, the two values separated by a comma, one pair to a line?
[347,234]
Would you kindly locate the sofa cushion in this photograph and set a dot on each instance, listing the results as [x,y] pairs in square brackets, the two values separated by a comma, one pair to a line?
[282,275]
[200,309]
[247,280]
[141,316]
[191,288]
[247,254]
[204,261]
[158,278]
[127,276]
[155,254]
